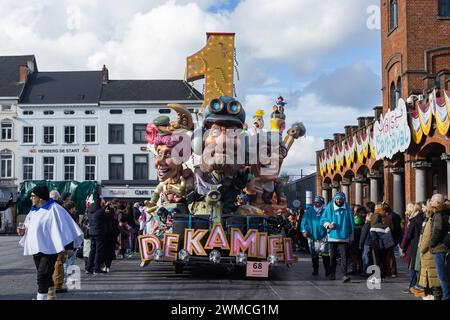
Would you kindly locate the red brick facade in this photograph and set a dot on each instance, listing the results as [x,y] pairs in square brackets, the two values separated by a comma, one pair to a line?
[414,53]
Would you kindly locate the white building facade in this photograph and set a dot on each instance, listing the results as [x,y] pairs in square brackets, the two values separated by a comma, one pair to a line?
[82,126]
[126,168]
[14,74]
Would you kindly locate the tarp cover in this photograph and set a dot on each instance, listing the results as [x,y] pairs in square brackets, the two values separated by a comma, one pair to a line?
[79,192]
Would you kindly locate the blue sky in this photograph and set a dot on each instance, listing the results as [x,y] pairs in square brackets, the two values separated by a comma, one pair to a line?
[320,55]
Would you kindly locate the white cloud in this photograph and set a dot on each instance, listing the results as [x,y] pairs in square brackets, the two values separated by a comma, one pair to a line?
[157,43]
[293,29]
[302,155]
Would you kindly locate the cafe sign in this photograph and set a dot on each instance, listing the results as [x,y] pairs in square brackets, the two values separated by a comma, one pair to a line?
[127,192]
[391,133]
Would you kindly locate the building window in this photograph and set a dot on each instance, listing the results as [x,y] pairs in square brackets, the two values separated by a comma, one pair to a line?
[116,133]
[444,8]
[49,112]
[69,112]
[139,133]
[164,110]
[140,111]
[49,168]
[116,167]
[393,96]
[89,134]
[69,134]
[28,134]
[89,168]
[6,166]
[6,130]
[28,113]
[69,168]
[28,164]
[140,167]
[49,135]
[393,15]
[115,111]
[89,112]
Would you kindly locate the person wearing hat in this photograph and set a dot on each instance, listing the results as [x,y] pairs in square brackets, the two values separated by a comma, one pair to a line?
[215,169]
[49,230]
[316,234]
[339,222]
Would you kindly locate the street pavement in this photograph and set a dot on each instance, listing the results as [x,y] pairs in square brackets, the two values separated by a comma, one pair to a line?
[127,280]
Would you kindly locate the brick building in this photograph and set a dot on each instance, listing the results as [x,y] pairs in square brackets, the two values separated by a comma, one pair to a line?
[415,67]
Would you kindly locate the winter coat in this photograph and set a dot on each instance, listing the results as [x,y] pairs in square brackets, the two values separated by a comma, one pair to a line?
[342,218]
[381,237]
[364,240]
[311,224]
[97,221]
[439,229]
[428,275]
[410,241]
[112,227]
[396,226]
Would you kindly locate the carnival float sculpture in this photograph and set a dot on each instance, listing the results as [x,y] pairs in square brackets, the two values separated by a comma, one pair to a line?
[219,196]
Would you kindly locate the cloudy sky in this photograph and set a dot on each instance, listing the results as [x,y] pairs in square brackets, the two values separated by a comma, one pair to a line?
[322,56]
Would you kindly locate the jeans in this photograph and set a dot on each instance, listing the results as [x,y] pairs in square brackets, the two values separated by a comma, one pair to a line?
[412,278]
[366,258]
[96,255]
[342,247]
[439,260]
[45,265]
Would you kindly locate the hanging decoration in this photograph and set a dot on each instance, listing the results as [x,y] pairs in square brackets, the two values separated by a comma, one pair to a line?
[423,114]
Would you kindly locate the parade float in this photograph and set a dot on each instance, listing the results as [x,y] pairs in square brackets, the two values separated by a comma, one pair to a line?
[219,199]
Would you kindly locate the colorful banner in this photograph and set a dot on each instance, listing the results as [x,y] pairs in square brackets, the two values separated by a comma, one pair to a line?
[422,116]
[392,133]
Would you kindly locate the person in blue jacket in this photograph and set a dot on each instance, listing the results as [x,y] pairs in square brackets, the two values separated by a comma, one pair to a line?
[316,234]
[338,220]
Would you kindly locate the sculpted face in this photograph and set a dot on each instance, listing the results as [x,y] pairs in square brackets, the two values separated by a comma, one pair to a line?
[164,164]
[215,154]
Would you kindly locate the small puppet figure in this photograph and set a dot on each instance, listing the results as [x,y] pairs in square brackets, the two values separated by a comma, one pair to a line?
[258,122]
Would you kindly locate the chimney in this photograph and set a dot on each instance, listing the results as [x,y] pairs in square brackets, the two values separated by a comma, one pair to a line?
[23,74]
[369,120]
[105,75]
[361,122]
[348,131]
[327,143]
[336,137]
[378,111]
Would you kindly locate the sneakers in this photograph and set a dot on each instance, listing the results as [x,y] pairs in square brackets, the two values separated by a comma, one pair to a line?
[345,279]
[88,272]
[407,291]
[429,297]
[105,269]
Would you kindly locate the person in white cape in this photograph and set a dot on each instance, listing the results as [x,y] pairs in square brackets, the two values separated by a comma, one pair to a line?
[48,230]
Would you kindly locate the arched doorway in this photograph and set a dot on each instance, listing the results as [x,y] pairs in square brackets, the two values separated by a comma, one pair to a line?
[431,174]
